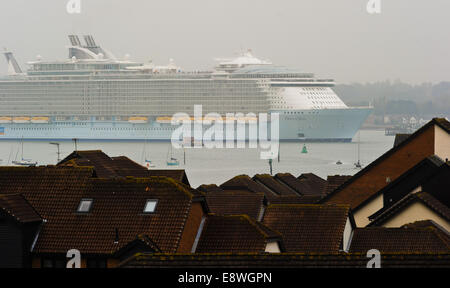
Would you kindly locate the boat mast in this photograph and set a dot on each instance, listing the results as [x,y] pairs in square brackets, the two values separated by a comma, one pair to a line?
[359,143]
[22,148]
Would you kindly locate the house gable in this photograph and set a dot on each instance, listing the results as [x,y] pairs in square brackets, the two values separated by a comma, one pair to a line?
[387,168]
[416,211]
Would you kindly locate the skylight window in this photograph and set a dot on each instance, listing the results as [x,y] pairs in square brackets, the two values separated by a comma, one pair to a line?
[85,205]
[150,206]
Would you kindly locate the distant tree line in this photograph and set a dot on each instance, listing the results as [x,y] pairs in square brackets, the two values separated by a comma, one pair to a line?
[398,98]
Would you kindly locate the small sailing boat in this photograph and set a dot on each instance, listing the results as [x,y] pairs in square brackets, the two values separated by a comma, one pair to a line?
[172,161]
[358,164]
[304,149]
[24,162]
[147,162]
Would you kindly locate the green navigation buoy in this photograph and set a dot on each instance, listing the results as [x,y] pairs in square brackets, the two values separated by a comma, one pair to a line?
[304,150]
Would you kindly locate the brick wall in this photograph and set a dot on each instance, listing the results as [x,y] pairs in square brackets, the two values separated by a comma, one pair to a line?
[190,228]
[392,166]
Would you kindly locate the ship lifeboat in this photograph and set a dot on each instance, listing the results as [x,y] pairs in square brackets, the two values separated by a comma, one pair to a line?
[5,119]
[138,120]
[39,120]
[21,119]
[164,119]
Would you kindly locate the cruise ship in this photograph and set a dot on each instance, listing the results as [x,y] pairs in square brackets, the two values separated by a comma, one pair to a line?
[93,95]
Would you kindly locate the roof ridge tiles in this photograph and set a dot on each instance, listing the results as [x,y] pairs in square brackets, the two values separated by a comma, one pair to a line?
[252,222]
[405,201]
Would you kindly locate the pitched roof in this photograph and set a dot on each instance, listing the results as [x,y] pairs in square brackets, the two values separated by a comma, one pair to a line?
[407,182]
[283,260]
[16,206]
[47,189]
[356,199]
[335,181]
[243,182]
[274,189]
[399,240]
[308,228]
[424,224]
[235,202]
[275,186]
[443,123]
[55,193]
[120,166]
[423,197]
[177,174]
[105,166]
[206,188]
[117,216]
[311,184]
[444,234]
[140,243]
[234,234]
[291,199]
[399,138]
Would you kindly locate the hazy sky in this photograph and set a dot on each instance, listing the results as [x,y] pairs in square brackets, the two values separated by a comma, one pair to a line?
[409,40]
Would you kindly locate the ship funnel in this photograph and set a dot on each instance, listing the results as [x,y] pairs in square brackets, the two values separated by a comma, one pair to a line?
[13,66]
[90,43]
[74,40]
[88,51]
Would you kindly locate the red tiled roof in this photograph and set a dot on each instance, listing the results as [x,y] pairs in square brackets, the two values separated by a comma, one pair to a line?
[398,240]
[443,233]
[103,164]
[177,174]
[235,202]
[283,260]
[141,242]
[308,228]
[55,193]
[118,206]
[333,182]
[275,186]
[244,182]
[47,189]
[18,207]
[234,234]
[206,188]
[311,184]
[307,199]
[120,166]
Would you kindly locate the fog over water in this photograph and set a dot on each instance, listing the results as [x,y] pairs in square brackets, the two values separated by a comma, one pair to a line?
[206,166]
[409,40]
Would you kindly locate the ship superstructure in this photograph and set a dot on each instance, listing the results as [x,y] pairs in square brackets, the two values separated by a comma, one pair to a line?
[94,95]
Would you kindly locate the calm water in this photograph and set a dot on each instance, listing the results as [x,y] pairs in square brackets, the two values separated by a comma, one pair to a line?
[206,166]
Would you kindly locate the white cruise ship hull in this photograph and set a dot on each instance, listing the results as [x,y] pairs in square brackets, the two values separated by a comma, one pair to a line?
[94,96]
[327,125]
